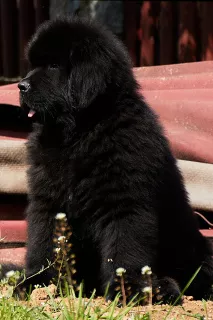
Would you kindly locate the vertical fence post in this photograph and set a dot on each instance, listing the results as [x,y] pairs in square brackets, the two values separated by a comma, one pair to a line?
[131,27]
[168,32]
[149,45]
[188,31]
[26,28]
[206,30]
[1,61]
[9,32]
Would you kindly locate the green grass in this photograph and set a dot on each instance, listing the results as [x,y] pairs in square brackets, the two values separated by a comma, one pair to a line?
[70,307]
[12,310]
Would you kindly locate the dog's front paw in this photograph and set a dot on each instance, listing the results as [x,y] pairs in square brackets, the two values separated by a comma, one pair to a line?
[166,290]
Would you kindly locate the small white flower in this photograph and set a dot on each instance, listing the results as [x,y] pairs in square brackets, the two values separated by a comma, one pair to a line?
[110,260]
[10,274]
[146,270]
[57,250]
[61,238]
[36,286]
[147,289]
[120,271]
[60,216]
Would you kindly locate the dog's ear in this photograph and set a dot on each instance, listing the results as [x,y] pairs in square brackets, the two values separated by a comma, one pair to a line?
[88,79]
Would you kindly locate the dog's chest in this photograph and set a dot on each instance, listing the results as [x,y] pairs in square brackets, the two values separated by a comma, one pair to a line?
[51,173]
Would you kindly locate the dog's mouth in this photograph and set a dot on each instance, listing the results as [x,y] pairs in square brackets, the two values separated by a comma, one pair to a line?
[31,113]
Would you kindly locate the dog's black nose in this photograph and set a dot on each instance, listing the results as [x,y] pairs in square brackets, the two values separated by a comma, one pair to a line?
[24,85]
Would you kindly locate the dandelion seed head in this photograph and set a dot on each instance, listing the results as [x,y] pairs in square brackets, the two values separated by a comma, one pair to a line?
[60,216]
[61,238]
[120,271]
[147,289]
[146,270]
[10,274]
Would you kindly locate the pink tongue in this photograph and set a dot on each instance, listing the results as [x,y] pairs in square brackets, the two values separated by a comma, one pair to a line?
[31,113]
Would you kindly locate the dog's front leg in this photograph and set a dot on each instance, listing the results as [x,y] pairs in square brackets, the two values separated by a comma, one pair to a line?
[40,221]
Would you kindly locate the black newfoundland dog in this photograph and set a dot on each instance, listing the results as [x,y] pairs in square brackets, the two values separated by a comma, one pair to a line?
[98,153]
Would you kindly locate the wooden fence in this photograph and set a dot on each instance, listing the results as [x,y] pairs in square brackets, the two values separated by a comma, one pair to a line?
[18,21]
[155,32]
[169,32]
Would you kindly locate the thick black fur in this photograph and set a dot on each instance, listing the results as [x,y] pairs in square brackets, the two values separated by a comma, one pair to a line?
[98,153]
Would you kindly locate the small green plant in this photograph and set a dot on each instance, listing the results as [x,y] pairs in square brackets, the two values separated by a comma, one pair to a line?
[8,283]
[13,310]
[120,273]
[64,255]
[146,275]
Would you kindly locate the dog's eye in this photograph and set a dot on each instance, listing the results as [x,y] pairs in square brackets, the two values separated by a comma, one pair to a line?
[53,65]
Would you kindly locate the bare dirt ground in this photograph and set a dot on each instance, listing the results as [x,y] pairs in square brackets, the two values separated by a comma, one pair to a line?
[189,310]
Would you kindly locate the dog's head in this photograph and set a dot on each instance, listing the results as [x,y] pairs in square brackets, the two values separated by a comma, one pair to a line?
[72,64]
